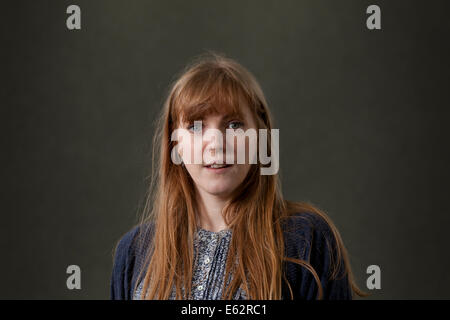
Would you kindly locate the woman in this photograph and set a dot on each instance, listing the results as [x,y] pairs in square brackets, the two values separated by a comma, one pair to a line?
[214,230]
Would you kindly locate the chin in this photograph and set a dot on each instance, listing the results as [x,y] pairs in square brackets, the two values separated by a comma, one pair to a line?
[219,190]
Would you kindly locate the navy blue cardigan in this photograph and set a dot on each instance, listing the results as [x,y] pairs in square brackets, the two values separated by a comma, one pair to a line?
[307,237]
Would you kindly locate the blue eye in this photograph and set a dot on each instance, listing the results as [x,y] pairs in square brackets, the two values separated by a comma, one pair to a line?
[194,128]
[235,125]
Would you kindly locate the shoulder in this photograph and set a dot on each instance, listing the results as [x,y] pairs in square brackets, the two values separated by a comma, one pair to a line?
[313,238]
[307,226]
[126,242]
[135,240]
[129,254]
[305,218]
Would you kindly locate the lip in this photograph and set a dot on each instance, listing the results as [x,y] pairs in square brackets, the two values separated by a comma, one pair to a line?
[219,170]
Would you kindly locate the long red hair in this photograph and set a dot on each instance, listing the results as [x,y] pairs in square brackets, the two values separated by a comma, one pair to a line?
[214,83]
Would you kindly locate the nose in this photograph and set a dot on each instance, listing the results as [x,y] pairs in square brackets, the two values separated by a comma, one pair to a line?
[213,140]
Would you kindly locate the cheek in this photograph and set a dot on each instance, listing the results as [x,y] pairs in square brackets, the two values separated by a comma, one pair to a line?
[245,168]
[239,173]
[241,149]
[187,150]
[194,171]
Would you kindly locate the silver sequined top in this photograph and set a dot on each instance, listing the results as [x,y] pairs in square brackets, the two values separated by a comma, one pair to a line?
[210,250]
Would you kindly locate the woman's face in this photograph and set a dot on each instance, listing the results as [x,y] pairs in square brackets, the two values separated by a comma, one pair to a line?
[217,181]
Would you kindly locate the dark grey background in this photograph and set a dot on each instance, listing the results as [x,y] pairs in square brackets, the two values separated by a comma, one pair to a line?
[362,116]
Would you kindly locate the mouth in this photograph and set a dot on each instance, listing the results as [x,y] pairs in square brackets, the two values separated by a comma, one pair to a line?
[218,168]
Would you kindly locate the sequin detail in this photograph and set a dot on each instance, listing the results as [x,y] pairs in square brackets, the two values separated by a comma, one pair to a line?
[210,254]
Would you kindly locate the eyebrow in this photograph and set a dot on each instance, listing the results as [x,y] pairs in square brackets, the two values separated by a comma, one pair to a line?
[232,116]
[224,118]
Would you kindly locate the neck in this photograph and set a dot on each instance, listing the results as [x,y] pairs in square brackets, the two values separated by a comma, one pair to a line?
[210,211]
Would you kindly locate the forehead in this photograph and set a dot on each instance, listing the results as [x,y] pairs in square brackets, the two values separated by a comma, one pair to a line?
[219,115]
[200,98]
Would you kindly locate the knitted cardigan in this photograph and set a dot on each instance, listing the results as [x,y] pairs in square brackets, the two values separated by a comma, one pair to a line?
[306,236]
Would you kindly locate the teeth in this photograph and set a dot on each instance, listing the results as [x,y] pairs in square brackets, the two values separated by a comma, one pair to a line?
[215,166]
